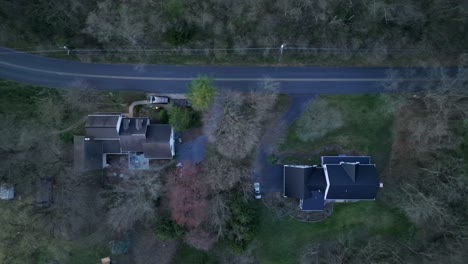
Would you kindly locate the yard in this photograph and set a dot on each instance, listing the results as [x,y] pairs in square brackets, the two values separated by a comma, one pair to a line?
[281,240]
[365,129]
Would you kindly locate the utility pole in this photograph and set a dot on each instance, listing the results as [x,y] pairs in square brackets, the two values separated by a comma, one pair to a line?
[282,48]
[67,49]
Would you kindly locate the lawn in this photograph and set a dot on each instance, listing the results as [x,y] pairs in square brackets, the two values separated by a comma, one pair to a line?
[188,254]
[366,131]
[281,240]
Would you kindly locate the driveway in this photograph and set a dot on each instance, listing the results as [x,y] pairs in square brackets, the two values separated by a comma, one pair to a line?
[192,151]
[271,176]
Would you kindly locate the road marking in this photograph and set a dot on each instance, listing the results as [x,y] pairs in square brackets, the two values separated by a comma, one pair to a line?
[216,79]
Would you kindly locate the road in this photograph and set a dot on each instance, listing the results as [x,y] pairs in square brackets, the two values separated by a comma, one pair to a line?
[42,71]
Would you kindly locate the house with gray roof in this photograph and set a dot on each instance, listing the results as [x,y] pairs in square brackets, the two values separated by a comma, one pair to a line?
[114,133]
[338,179]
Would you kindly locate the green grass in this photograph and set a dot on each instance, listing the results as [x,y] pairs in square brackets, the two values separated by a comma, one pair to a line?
[367,130]
[280,241]
[187,254]
[88,254]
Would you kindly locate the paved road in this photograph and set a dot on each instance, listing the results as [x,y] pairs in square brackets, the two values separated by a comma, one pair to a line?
[37,70]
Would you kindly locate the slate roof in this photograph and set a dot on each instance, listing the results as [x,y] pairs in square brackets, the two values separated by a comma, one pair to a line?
[157,144]
[365,184]
[337,159]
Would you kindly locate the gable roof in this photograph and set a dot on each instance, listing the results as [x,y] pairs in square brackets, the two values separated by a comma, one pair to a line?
[338,159]
[364,185]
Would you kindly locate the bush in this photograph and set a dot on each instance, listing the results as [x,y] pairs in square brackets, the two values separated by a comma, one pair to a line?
[201,93]
[167,229]
[181,118]
[318,120]
[159,116]
[242,225]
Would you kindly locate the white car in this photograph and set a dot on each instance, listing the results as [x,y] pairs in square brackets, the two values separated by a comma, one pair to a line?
[258,195]
[159,100]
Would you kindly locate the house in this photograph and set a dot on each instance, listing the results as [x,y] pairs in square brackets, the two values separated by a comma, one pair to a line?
[114,133]
[7,191]
[338,179]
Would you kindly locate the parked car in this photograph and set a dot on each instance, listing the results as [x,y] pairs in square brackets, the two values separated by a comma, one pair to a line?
[181,102]
[159,99]
[258,195]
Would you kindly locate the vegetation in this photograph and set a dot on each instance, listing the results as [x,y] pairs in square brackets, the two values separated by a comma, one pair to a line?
[201,93]
[363,30]
[166,229]
[276,245]
[243,224]
[234,122]
[318,120]
[365,128]
[181,118]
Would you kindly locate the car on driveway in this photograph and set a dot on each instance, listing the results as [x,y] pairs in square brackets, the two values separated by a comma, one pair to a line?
[258,195]
[181,102]
[159,99]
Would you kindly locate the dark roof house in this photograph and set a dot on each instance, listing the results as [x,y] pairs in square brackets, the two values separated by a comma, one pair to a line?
[116,134]
[341,178]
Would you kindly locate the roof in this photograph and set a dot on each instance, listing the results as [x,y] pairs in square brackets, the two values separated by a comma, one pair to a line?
[132,143]
[342,186]
[299,181]
[294,182]
[316,180]
[103,126]
[133,126]
[111,146]
[87,154]
[315,203]
[337,159]
[158,142]
[7,191]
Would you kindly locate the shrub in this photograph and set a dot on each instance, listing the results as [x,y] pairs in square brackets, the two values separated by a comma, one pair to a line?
[166,229]
[181,118]
[242,225]
[318,120]
[201,93]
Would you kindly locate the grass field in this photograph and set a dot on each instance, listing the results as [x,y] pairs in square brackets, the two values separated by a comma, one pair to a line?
[367,130]
[281,240]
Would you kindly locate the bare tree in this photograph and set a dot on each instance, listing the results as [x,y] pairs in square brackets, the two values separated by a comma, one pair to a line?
[134,200]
